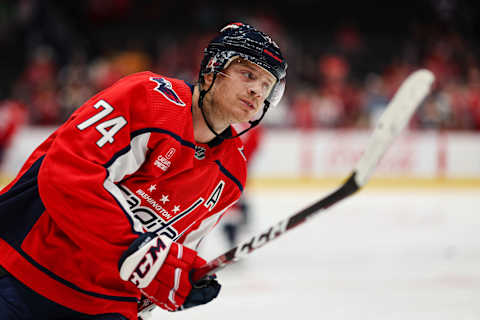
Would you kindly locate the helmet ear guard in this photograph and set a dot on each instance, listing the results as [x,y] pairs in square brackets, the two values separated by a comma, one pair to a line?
[277,92]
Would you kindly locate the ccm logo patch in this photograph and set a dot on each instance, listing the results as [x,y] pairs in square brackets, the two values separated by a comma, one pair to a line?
[146,263]
[165,88]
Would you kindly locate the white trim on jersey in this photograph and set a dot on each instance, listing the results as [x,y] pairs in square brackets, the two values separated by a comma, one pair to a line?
[131,161]
[194,238]
[126,164]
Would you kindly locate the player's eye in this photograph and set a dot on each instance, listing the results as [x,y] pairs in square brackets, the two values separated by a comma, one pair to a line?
[248,74]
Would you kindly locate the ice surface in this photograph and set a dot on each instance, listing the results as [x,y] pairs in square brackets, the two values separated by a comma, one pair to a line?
[396,254]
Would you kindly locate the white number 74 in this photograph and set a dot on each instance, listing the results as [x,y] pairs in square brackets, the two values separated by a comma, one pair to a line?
[107,128]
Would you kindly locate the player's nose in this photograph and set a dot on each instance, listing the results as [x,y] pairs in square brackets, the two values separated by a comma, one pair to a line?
[256,89]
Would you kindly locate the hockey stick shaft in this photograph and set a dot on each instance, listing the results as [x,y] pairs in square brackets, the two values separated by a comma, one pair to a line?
[259,240]
[396,116]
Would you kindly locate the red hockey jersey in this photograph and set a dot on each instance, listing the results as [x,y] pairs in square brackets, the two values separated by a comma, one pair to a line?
[125,162]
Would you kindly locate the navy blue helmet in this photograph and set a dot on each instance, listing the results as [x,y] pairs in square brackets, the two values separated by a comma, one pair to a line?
[239,40]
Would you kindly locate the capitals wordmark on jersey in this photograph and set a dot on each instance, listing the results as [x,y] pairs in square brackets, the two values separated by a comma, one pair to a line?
[151,208]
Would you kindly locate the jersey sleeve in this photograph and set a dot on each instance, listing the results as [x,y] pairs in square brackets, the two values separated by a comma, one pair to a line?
[105,140]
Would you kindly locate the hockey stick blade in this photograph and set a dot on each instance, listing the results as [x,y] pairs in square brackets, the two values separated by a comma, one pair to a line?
[396,116]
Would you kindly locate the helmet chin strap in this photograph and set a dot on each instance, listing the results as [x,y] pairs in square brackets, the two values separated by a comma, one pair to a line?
[222,135]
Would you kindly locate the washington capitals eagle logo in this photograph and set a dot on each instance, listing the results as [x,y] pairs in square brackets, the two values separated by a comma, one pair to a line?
[165,87]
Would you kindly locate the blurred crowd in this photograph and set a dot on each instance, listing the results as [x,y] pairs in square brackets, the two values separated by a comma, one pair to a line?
[342,79]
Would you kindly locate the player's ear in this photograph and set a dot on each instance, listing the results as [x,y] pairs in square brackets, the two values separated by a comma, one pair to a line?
[207,80]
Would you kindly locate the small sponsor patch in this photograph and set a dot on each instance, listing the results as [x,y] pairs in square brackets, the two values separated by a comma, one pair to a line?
[163,162]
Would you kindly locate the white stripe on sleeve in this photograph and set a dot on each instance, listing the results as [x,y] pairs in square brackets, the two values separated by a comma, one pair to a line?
[124,165]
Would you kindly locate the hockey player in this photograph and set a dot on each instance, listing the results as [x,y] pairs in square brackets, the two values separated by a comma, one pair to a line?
[114,203]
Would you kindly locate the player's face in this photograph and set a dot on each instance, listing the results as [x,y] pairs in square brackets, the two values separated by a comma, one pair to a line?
[239,92]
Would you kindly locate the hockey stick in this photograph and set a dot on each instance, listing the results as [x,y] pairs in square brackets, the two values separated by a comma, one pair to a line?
[396,116]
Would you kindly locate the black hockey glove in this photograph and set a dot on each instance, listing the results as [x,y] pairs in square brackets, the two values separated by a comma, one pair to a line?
[202,292]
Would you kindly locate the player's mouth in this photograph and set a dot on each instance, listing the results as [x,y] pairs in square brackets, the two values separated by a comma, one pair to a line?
[248,103]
